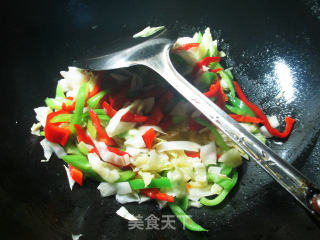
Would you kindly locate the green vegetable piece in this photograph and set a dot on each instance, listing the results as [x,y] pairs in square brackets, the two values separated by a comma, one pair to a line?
[59,92]
[80,101]
[239,107]
[225,170]
[72,149]
[91,129]
[215,65]
[259,135]
[206,79]
[81,162]
[185,219]
[199,37]
[42,133]
[162,182]
[93,102]
[53,103]
[126,175]
[223,194]
[224,182]
[219,140]
[83,148]
[62,118]
[182,202]
[229,80]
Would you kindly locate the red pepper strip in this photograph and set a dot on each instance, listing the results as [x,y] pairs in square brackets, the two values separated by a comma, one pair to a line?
[148,137]
[215,70]
[132,117]
[164,99]
[156,194]
[82,136]
[221,98]
[117,151]
[76,175]
[155,117]
[192,154]
[94,91]
[259,113]
[118,100]
[186,47]
[241,118]
[108,109]
[194,126]
[54,133]
[166,122]
[213,89]
[69,108]
[102,135]
[204,62]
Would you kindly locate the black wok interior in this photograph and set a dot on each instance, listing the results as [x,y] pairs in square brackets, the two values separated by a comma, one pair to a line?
[271,45]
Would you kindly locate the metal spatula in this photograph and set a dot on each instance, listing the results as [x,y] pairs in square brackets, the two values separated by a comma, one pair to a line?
[154,54]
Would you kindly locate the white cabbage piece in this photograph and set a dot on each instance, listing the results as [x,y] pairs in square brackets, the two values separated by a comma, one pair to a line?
[104,169]
[49,148]
[146,176]
[41,114]
[148,31]
[111,157]
[108,189]
[131,197]
[123,212]
[231,158]
[208,153]
[152,161]
[178,145]
[35,129]
[72,79]
[200,172]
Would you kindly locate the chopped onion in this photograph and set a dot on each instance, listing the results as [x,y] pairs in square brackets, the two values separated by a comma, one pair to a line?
[178,145]
[231,158]
[208,153]
[108,189]
[41,114]
[123,212]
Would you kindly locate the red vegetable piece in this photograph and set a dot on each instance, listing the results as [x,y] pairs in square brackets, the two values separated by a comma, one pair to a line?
[156,194]
[117,151]
[155,117]
[148,137]
[108,109]
[240,118]
[119,99]
[186,47]
[221,98]
[259,113]
[194,126]
[215,70]
[192,154]
[102,135]
[214,88]
[76,175]
[53,132]
[132,117]
[204,62]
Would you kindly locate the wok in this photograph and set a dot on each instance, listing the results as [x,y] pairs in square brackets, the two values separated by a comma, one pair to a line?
[272,46]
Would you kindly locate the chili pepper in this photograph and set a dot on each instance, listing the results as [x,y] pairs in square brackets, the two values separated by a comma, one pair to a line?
[192,154]
[72,149]
[221,98]
[213,90]
[108,109]
[156,194]
[126,175]
[240,118]
[226,183]
[118,100]
[204,62]
[82,136]
[194,126]
[59,92]
[182,202]
[81,162]
[186,47]
[54,133]
[93,102]
[94,91]
[206,79]
[216,70]
[225,170]
[91,129]
[219,140]
[273,131]
[155,117]
[117,151]
[69,107]
[148,137]
[102,135]
[166,122]
[185,219]
[53,103]
[62,118]
[225,76]
[101,115]
[223,194]
[239,107]
[215,67]
[162,182]
[80,101]
[76,175]
[132,117]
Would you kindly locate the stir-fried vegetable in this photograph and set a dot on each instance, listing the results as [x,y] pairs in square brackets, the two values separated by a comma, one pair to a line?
[140,140]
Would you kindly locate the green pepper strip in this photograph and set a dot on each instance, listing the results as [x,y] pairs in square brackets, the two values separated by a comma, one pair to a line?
[162,182]
[219,140]
[101,115]
[62,118]
[53,103]
[229,81]
[72,149]
[182,202]
[225,170]
[223,194]
[80,102]
[94,101]
[81,162]
[239,107]
[185,219]
[223,182]
[91,129]
[59,92]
